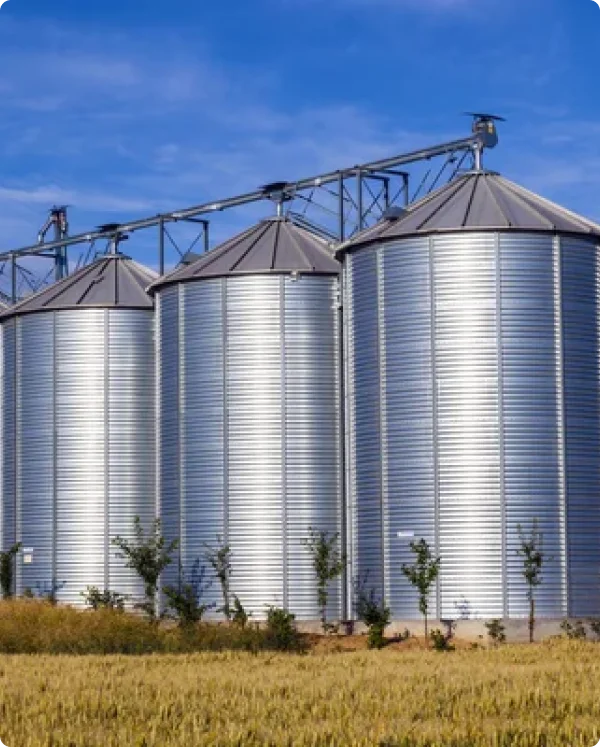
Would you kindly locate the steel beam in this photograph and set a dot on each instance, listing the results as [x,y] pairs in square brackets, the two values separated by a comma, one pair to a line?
[466,144]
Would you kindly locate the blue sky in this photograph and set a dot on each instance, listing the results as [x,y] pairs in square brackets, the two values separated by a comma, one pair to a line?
[123,109]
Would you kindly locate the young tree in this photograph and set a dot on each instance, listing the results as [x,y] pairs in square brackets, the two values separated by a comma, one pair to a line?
[219,558]
[328,564]
[148,556]
[532,554]
[239,615]
[422,574]
[7,566]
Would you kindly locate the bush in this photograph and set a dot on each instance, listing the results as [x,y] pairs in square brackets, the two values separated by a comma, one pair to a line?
[185,601]
[441,641]
[282,634]
[575,631]
[239,616]
[106,599]
[375,615]
[184,604]
[496,631]
[7,570]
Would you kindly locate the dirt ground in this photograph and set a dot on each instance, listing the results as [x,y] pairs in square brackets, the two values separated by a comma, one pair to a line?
[348,643]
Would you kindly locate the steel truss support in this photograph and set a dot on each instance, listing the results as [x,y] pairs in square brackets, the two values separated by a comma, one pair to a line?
[335,204]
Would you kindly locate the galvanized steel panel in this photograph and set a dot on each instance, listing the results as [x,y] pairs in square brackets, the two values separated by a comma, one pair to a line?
[411,474]
[364,419]
[256,481]
[84,449]
[580,313]
[8,382]
[202,424]
[131,446]
[34,483]
[468,455]
[312,428]
[258,429]
[473,407]
[169,441]
[533,485]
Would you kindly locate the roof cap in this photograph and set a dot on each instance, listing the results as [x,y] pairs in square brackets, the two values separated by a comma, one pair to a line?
[113,281]
[478,201]
[276,245]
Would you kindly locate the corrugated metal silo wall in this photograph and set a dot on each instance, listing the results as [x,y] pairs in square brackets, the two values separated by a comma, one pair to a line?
[473,407]
[78,434]
[250,430]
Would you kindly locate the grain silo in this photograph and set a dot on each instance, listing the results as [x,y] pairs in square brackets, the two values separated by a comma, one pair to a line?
[472,332]
[249,381]
[78,428]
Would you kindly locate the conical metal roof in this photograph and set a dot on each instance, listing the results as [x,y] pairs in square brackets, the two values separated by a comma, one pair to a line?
[111,282]
[276,245]
[478,201]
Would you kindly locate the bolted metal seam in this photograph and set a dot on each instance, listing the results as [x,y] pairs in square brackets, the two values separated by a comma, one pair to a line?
[562,419]
[501,425]
[284,425]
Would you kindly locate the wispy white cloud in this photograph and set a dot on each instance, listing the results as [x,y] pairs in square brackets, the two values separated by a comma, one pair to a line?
[85,200]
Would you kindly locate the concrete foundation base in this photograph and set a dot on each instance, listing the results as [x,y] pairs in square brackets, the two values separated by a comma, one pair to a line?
[516,630]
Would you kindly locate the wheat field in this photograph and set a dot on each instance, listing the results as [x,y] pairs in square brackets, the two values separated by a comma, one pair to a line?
[519,696]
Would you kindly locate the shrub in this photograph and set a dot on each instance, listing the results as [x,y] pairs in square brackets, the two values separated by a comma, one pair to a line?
[7,567]
[184,601]
[575,631]
[376,616]
[496,631]
[282,634]
[184,604]
[106,599]
[239,616]
[441,641]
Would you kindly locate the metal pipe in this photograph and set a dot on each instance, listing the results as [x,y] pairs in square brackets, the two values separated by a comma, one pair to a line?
[341,208]
[59,220]
[386,193]
[13,277]
[478,154]
[406,180]
[161,248]
[217,206]
[359,199]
